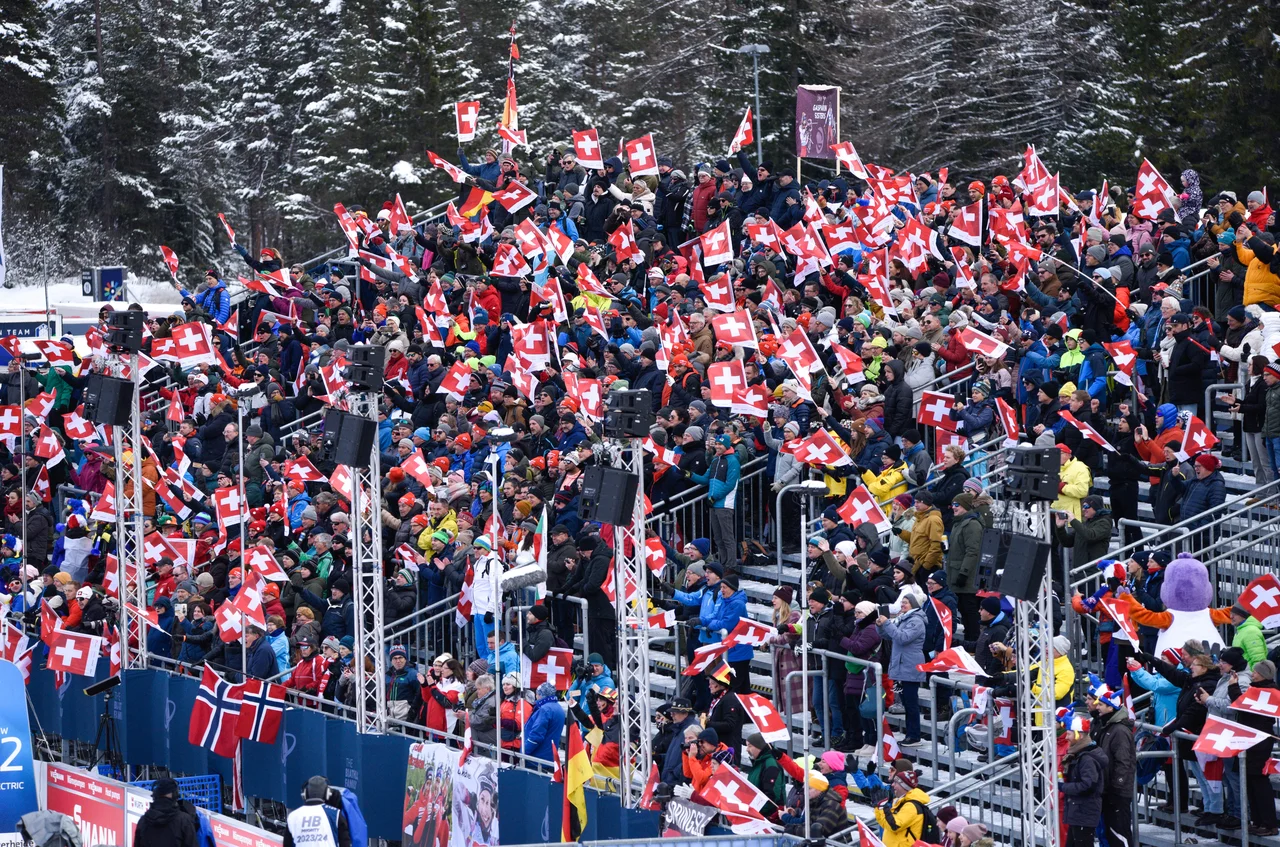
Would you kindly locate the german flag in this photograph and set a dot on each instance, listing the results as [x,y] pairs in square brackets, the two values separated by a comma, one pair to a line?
[577,775]
[476,200]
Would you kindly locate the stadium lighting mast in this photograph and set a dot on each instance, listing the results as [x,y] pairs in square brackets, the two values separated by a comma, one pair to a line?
[756,51]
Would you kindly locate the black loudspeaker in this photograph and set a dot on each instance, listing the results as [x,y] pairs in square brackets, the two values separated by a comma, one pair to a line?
[332,429]
[1033,472]
[356,438]
[368,366]
[108,400]
[124,330]
[1024,567]
[630,414]
[995,548]
[608,496]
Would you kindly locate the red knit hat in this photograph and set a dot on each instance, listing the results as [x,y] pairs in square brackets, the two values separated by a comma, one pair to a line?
[1209,462]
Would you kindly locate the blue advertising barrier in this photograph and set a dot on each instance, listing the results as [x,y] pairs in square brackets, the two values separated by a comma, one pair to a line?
[18,788]
[184,757]
[144,700]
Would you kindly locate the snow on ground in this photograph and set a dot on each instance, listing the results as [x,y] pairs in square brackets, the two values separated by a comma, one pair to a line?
[25,297]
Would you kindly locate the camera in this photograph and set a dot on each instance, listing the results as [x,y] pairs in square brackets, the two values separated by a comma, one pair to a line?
[580,669]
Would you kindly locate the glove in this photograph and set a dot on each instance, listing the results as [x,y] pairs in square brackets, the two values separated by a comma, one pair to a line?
[784,628]
[684,792]
[695,622]
[488,617]
[776,487]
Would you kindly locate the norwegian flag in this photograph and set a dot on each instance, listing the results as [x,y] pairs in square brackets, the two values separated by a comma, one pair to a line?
[822,449]
[457,381]
[983,344]
[264,563]
[1226,739]
[1261,598]
[750,633]
[261,710]
[848,157]
[735,328]
[851,364]
[301,470]
[888,744]
[515,196]
[729,791]
[861,507]
[74,652]
[555,668]
[467,116]
[1119,613]
[1197,439]
[1086,430]
[953,659]
[170,259]
[586,144]
[966,226]
[718,293]
[623,240]
[216,714]
[455,173]
[642,157]
[705,657]
[192,345]
[798,352]
[935,410]
[765,717]
[507,261]
[717,245]
[765,234]
[743,135]
[1008,419]
[1154,193]
[945,618]
[1125,358]
[663,620]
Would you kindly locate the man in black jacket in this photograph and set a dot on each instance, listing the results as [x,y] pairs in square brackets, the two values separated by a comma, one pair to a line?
[168,822]
[995,630]
[1112,731]
[587,582]
[539,639]
[1187,362]
[726,715]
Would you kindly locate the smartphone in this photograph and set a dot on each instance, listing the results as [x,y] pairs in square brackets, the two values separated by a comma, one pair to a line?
[180,609]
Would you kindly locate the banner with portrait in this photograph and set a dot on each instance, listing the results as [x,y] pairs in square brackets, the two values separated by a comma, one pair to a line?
[817,121]
[446,805]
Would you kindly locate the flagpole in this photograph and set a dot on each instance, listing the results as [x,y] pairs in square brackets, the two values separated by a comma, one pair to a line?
[1082,275]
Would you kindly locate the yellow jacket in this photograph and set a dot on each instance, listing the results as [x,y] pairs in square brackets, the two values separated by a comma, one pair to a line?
[1260,284]
[924,541]
[903,820]
[1064,679]
[886,485]
[1074,480]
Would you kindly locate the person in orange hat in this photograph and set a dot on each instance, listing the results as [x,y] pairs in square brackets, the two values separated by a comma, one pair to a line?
[685,385]
[976,191]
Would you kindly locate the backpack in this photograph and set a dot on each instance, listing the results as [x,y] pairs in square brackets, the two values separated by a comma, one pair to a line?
[930,832]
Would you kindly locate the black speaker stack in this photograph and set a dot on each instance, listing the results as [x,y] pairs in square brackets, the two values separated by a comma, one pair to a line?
[1031,475]
[629,415]
[608,495]
[108,399]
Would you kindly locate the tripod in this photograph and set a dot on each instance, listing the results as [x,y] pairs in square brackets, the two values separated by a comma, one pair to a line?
[106,743]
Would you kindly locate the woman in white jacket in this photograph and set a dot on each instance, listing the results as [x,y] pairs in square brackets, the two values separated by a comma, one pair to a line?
[1259,340]
[921,370]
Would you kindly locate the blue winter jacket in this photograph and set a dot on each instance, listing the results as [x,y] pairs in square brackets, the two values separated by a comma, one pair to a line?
[543,728]
[725,616]
[1181,250]
[297,504]
[721,480]
[1201,495]
[705,599]
[214,301]
[483,171]
[1093,373]
[1039,361]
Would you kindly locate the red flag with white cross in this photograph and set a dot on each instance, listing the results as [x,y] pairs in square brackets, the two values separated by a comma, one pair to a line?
[735,328]
[586,145]
[717,245]
[467,116]
[642,156]
[1227,739]
[861,507]
[765,717]
[1261,598]
[555,668]
[935,410]
[822,449]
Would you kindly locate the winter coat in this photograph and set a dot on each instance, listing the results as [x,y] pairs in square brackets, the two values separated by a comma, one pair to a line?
[827,816]
[898,398]
[995,631]
[1249,638]
[260,660]
[538,641]
[964,549]
[924,540]
[862,643]
[197,638]
[906,632]
[1270,416]
[543,728]
[1256,756]
[1084,781]
[1261,284]
[1074,480]
[725,615]
[887,484]
[901,818]
[1089,540]
[1187,363]
[919,463]
[484,719]
[1164,694]
[1190,714]
[727,717]
[1115,738]
[766,774]
[945,488]
[167,824]
[934,635]
[1201,495]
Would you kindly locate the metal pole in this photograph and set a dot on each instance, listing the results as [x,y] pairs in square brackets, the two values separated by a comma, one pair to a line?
[804,657]
[759,143]
[495,574]
[244,632]
[22,455]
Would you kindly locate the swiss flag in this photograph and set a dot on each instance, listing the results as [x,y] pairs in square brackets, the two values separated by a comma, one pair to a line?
[753,402]
[799,242]
[944,439]
[663,620]
[718,292]
[717,245]
[1008,419]
[192,345]
[983,344]
[823,449]
[590,283]
[731,792]
[73,652]
[156,547]
[966,226]
[847,156]
[743,135]
[888,744]
[56,352]
[591,315]
[249,601]
[935,410]
[945,618]
[735,328]
[1261,598]
[867,838]
[861,507]
[1154,193]
[515,196]
[1125,358]
[532,342]
[1198,438]
[655,556]
[1044,198]
[1119,613]
[765,717]
[517,137]
[586,145]
[1086,430]
[1226,739]
[11,421]
[415,465]
[555,668]
[841,236]
[623,240]
[1259,701]
[301,470]
[851,364]
[48,446]
[467,116]
[528,238]
[798,352]
[228,506]
[507,261]
[1006,225]
[750,633]
[705,657]
[457,381]
[41,405]
[264,563]
[170,259]
[642,158]
[341,482]
[42,485]
[954,659]
[765,234]
[560,243]
[455,173]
